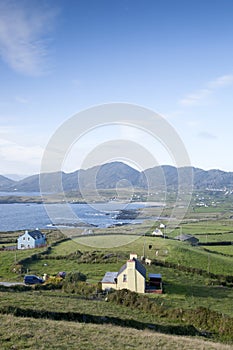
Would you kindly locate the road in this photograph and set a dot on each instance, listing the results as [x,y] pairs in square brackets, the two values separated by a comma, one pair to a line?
[10,284]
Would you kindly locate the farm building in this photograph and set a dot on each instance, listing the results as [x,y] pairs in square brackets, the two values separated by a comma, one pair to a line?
[32,239]
[188,239]
[131,276]
[154,284]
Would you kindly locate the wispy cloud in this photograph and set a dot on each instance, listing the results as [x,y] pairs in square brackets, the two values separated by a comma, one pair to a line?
[21,100]
[206,135]
[25,27]
[195,98]
[201,95]
[222,81]
[18,158]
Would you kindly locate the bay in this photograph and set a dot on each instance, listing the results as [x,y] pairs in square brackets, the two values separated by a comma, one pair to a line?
[20,194]
[22,216]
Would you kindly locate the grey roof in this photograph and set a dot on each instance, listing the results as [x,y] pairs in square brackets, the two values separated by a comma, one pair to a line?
[36,234]
[121,269]
[185,237]
[139,267]
[154,275]
[109,277]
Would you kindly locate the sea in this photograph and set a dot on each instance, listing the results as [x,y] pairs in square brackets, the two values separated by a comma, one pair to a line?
[29,216]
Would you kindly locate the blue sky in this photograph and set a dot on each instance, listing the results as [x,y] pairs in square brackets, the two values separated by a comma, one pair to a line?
[60,57]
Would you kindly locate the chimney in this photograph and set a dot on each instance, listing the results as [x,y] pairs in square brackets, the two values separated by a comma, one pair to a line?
[133,256]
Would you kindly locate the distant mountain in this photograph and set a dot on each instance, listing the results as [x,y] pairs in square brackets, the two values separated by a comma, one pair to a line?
[212,179]
[5,183]
[15,177]
[110,175]
[118,174]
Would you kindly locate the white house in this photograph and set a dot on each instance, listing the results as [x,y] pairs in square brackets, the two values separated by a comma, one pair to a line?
[157,233]
[32,239]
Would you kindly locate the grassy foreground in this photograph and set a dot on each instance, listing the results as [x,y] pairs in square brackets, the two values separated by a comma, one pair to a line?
[27,333]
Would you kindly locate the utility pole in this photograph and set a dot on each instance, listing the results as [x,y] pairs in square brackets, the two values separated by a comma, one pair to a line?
[144,246]
[208,269]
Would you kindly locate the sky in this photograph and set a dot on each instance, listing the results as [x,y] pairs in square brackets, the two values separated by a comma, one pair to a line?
[58,58]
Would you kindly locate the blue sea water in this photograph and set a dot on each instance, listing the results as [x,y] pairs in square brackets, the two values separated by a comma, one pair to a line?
[21,216]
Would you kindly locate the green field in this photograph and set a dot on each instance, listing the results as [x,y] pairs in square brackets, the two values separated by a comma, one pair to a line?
[193,277]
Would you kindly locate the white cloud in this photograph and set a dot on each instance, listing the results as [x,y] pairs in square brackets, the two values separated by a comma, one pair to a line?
[24,29]
[195,98]
[222,81]
[18,158]
[201,95]
[207,135]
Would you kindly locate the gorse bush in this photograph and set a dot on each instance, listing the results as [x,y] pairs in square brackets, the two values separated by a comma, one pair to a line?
[73,282]
[75,276]
[202,318]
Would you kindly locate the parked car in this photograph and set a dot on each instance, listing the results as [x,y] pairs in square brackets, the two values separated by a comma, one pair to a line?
[32,279]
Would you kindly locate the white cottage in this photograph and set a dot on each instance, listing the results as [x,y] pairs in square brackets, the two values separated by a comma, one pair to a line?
[32,239]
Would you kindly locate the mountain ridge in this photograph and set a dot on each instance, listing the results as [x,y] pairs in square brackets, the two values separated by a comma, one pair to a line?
[119,174]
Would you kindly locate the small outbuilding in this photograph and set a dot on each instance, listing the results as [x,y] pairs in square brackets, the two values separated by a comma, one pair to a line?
[188,239]
[155,284]
[32,239]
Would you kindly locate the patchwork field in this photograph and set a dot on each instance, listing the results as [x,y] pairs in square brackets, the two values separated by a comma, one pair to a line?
[197,280]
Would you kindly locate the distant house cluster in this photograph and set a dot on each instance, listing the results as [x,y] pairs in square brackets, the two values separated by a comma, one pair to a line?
[132,276]
[32,239]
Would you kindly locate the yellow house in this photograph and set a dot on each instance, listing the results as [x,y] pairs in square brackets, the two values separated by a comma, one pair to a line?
[131,276]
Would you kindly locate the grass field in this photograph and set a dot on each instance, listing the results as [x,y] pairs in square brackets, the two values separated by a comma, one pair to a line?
[183,288]
[27,333]
[168,250]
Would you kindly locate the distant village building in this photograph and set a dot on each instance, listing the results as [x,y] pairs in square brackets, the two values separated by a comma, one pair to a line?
[157,233]
[131,276]
[188,239]
[32,239]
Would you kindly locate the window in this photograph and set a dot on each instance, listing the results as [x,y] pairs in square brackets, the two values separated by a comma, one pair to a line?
[124,278]
[24,238]
[28,238]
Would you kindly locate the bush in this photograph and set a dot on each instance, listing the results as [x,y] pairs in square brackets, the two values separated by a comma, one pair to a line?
[75,277]
[72,281]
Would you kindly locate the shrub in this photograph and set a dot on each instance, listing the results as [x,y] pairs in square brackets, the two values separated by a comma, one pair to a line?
[72,281]
[75,277]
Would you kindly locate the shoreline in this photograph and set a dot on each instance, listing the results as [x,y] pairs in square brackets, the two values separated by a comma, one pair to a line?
[11,199]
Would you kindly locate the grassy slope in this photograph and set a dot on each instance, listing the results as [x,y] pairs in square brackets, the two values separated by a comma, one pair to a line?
[182,289]
[26,333]
[168,250]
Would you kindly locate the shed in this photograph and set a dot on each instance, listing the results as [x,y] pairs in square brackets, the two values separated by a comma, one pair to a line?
[109,280]
[188,239]
[155,284]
